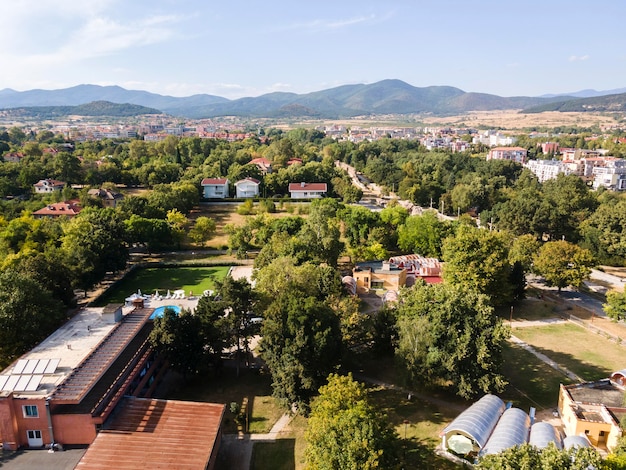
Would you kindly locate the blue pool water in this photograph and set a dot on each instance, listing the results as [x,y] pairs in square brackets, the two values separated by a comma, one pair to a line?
[158,312]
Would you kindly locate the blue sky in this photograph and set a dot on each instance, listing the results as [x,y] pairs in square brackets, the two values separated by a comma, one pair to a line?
[247,48]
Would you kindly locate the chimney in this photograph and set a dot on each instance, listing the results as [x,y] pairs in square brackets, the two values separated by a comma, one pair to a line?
[302,184]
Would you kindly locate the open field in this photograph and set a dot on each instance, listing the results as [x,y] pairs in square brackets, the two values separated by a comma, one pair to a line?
[226,213]
[589,355]
[193,279]
[510,119]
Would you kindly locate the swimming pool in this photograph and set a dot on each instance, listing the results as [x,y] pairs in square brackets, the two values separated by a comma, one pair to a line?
[158,312]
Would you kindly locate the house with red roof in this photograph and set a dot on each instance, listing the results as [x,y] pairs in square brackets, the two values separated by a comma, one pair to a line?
[263,164]
[307,190]
[58,209]
[48,186]
[247,187]
[215,188]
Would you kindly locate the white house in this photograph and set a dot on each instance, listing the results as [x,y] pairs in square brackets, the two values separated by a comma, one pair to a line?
[215,188]
[48,186]
[247,187]
[307,190]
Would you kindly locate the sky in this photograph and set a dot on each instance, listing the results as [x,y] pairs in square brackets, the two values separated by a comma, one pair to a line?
[248,48]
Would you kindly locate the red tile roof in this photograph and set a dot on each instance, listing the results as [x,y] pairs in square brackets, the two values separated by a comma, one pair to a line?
[57,209]
[157,434]
[307,187]
[207,181]
[248,180]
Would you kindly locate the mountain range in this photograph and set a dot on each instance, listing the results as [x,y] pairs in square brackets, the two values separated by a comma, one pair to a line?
[384,97]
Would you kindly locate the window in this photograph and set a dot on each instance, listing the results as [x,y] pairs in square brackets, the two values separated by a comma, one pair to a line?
[34,434]
[601,433]
[30,411]
[377,284]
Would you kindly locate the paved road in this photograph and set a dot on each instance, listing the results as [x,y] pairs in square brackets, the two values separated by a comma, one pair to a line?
[569,295]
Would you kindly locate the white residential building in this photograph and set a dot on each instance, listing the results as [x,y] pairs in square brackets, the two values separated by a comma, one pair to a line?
[546,170]
[307,190]
[215,188]
[247,187]
[516,154]
[612,175]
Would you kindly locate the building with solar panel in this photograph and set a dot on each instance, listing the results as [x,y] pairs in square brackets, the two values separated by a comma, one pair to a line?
[64,391]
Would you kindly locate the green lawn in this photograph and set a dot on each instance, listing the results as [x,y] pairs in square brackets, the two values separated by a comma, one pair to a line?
[195,279]
[589,355]
[277,455]
[531,381]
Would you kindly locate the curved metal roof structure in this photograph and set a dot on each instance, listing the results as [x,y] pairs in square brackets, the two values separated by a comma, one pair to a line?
[576,441]
[542,434]
[472,428]
[511,430]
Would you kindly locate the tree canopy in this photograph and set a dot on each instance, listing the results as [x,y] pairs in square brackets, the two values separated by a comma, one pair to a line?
[346,431]
[448,335]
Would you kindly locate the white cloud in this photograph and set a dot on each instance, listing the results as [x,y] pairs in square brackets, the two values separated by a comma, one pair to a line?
[578,58]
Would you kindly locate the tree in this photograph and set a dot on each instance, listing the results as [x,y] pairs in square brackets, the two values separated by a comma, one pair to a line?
[478,258]
[449,334]
[202,230]
[563,264]
[321,232]
[345,431]
[615,306]
[301,344]
[179,337]
[28,313]
[423,234]
[95,242]
[526,456]
[605,231]
[237,302]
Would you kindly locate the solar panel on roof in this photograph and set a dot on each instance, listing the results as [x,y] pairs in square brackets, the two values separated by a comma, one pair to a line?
[10,384]
[3,380]
[52,366]
[20,386]
[41,366]
[30,366]
[33,383]
[19,367]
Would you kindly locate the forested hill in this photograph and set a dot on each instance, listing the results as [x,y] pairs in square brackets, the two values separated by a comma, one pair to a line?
[608,103]
[383,97]
[95,108]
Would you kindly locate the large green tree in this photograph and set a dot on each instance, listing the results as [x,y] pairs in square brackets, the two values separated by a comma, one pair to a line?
[615,305]
[301,345]
[95,242]
[179,337]
[345,431]
[423,234]
[28,313]
[563,264]
[479,259]
[449,335]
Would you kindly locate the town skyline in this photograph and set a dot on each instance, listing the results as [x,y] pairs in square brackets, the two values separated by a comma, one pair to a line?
[244,49]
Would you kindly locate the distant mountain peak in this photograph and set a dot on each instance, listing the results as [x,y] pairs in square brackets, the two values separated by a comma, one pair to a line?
[389,96]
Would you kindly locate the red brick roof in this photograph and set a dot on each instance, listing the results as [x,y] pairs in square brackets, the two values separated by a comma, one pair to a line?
[57,209]
[207,181]
[307,187]
[248,180]
[157,434]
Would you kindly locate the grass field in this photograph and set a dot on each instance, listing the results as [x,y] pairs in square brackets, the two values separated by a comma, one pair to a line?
[148,280]
[589,355]
[531,381]
[225,214]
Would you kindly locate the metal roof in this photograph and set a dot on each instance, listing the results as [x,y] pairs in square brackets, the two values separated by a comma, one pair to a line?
[542,433]
[511,430]
[87,373]
[576,441]
[478,421]
[157,434]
